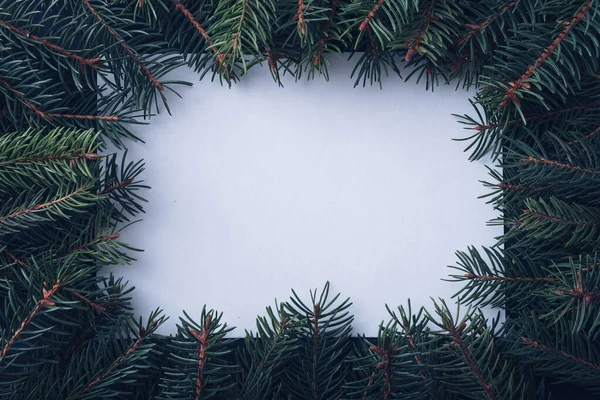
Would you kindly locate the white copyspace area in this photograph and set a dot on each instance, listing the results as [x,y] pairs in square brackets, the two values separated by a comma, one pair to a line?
[258,189]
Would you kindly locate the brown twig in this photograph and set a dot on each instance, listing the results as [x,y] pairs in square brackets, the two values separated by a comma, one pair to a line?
[557,164]
[455,333]
[93,62]
[370,15]
[84,156]
[202,338]
[561,353]
[42,206]
[300,17]
[325,30]
[414,46]
[28,103]
[123,184]
[129,51]
[557,220]
[484,24]
[95,306]
[538,117]
[508,278]
[511,94]
[44,302]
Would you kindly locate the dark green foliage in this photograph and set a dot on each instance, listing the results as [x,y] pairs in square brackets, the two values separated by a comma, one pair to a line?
[77,73]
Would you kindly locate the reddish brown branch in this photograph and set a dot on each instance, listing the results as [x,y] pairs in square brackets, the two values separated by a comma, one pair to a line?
[93,62]
[15,259]
[511,94]
[28,103]
[414,46]
[315,350]
[300,17]
[484,24]
[538,117]
[370,16]
[557,164]
[508,186]
[411,341]
[561,353]
[123,184]
[202,338]
[113,118]
[557,220]
[95,306]
[190,17]
[129,51]
[508,278]
[101,239]
[386,353]
[41,206]
[45,301]
[455,333]
[85,156]
[325,30]
[114,365]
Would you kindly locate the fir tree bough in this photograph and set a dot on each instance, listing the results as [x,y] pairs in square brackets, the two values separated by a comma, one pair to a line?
[74,76]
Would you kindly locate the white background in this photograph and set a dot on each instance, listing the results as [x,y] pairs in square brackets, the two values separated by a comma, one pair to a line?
[258,189]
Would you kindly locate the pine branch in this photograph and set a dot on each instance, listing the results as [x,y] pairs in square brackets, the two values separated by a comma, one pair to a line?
[474,29]
[560,353]
[24,100]
[557,164]
[369,17]
[511,94]
[119,39]
[93,62]
[413,46]
[45,301]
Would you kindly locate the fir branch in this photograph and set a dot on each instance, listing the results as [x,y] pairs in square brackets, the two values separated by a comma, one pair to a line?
[96,241]
[324,33]
[202,338]
[86,156]
[386,353]
[560,353]
[190,17]
[95,306]
[456,335]
[511,94]
[557,164]
[508,278]
[300,17]
[45,301]
[545,217]
[43,206]
[113,366]
[367,21]
[119,185]
[481,26]
[413,46]
[93,62]
[112,118]
[548,114]
[16,260]
[24,100]
[128,49]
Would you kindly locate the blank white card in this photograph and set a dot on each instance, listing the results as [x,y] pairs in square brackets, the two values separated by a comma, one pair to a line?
[258,189]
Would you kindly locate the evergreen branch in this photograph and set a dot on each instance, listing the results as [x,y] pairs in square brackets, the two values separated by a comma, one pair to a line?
[557,164]
[367,21]
[93,62]
[300,17]
[119,185]
[324,33]
[113,366]
[413,46]
[24,100]
[129,50]
[190,17]
[17,260]
[202,338]
[95,306]
[45,301]
[560,353]
[455,334]
[386,353]
[481,26]
[96,241]
[511,94]
[545,217]
[550,113]
[43,206]
[508,186]
[508,278]
[112,118]
[86,156]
